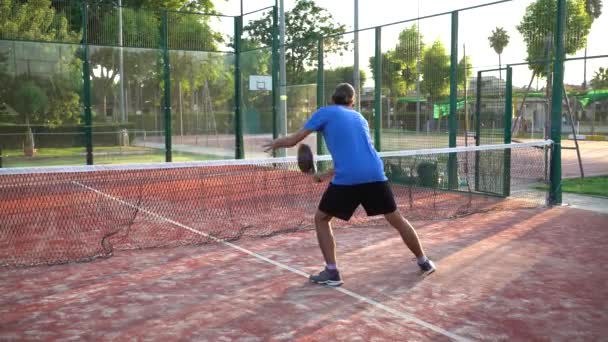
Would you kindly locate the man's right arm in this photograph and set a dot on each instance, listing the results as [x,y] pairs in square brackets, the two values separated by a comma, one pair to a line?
[288,141]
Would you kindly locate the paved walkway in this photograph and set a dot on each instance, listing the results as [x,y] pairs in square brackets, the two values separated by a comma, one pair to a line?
[591,203]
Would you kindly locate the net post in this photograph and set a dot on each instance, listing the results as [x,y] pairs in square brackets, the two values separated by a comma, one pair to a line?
[477,126]
[86,87]
[452,161]
[275,75]
[378,91]
[167,87]
[555,193]
[320,89]
[238,97]
[507,133]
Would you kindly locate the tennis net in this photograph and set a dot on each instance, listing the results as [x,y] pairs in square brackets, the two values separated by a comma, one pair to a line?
[55,215]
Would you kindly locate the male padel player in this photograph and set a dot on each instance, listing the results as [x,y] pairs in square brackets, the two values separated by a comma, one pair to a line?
[358,179]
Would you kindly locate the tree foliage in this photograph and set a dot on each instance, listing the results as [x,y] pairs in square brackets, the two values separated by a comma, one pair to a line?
[465,70]
[594,8]
[56,69]
[333,77]
[190,69]
[410,47]
[40,81]
[32,100]
[33,20]
[399,65]
[600,79]
[305,24]
[392,81]
[538,30]
[436,71]
[499,40]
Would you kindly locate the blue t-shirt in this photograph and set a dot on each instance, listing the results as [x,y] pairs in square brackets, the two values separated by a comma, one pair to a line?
[346,134]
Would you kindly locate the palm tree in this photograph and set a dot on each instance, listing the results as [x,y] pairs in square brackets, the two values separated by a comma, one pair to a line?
[498,41]
[593,8]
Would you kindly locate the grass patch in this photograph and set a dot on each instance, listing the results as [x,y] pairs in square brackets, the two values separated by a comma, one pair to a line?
[75,151]
[597,186]
[102,155]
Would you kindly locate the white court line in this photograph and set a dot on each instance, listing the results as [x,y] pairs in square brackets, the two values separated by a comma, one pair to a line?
[352,294]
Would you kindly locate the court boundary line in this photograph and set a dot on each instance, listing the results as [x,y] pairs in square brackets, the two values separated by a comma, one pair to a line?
[378,305]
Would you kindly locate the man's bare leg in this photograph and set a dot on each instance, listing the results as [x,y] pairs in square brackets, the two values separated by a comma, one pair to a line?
[330,275]
[325,235]
[407,232]
[409,236]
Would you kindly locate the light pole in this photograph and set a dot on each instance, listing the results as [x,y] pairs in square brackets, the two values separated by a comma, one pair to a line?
[418,70]
[282,72]
[121,69]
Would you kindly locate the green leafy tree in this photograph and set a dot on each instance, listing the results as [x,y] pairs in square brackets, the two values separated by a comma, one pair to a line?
[4,77]
[43,80]
[333,77]
[204,6]
[399,69]
[33,20]
[141,28]
[436,71]
[538,29]
[600,79]
[498,41]
[304,25]
[465,70]
[31,101]
[393,82]
[104,60]
[436,74]
[410,47]
[594,8]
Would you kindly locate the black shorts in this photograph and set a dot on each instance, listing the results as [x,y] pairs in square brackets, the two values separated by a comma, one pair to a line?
[341,201]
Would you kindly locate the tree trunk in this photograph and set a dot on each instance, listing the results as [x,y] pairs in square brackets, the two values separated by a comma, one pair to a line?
[181,111]
[105,106]
[193,102]
[29,149]
[499,75]
[548,113]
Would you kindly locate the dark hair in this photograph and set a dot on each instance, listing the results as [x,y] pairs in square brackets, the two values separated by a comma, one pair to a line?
[344,94]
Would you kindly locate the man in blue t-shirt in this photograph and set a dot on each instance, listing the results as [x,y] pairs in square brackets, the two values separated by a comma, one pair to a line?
[358,179]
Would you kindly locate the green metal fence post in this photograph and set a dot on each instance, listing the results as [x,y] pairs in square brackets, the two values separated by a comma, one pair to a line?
[507,138]
[238,97]
[320,89]
[378,91]
[167,88]
[86,87]
[320,75]
[275,75]
[477,127]
[555,193]
[452,124]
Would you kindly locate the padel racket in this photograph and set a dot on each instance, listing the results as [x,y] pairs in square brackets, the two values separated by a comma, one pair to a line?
[306,160]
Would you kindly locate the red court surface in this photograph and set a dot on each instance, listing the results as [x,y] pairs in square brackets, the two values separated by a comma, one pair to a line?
[594,155]
[522,275]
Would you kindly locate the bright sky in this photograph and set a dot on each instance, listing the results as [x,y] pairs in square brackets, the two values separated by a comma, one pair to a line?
[474,28]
